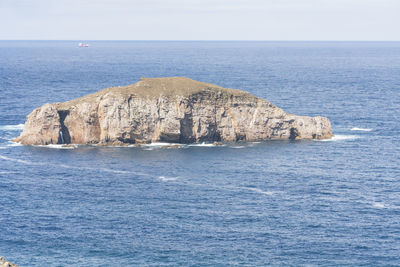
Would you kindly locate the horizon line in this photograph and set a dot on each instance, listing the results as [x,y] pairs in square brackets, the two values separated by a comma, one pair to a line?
[187,40]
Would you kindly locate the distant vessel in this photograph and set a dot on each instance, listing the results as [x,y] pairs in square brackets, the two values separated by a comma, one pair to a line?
[83,45]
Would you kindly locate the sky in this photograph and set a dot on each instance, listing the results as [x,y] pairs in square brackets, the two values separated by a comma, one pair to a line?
[356,20]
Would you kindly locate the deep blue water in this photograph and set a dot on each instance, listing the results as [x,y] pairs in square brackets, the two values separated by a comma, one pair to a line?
[322,203]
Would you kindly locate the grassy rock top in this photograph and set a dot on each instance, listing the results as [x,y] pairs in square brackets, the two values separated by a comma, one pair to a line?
[155,87]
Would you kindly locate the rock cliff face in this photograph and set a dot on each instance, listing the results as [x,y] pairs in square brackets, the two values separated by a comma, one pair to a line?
[172,109]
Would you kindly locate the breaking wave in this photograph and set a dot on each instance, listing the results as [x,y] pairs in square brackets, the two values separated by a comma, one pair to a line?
[340,137]
[204,145]
[257,190]
[5,172]
[58,146]
[151,146]
[237,147]
[378,205]
[97,169]
[361,129]
[167,179]
[17,127]
[14,144]
[160,144]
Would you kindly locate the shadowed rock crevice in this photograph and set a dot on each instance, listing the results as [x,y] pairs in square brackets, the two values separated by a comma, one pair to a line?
[240,137]
[126,140]
[170,137]
[64,136]
[294,134]
[186,129]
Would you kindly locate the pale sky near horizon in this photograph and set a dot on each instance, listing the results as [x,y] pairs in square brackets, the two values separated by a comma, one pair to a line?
[200,20]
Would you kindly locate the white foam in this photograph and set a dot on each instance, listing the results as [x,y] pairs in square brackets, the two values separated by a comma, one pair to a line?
[340,137]
[378,205]
[5,172]
[17,127]
[253,143]
[257,190]
[167,179]
[7,137]
[160,144]
[111,170]
[237,147]
[361,129]
[112,146]
[93,169]
[58,146]
[204,145]
[14,144]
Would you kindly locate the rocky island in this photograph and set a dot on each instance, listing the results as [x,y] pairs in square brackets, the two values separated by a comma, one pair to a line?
[175,109]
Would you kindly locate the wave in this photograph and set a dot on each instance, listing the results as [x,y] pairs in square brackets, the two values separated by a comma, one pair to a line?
[113,171]
[204,145]
[361,129]
[340,137]
[96,169]
[378,205]
[151,146]
[237,147]
[55,146]
[159,144]
[219,187]
[70,167]
[257,190]
[11,143]
[17,127]
[253,143]
[58,146]
[107,170]
[6,172]
[6,137]
[229,188]
[20,161]
[167,179]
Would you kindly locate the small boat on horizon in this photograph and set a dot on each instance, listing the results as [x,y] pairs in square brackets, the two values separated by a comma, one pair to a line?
[83,45]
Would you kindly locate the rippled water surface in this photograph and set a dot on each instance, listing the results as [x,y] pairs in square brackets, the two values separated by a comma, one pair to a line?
[333,202]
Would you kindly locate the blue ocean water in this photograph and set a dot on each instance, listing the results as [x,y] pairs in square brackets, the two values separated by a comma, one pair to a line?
[314,203]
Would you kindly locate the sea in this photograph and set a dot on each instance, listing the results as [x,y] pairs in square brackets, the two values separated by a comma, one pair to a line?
[332,202]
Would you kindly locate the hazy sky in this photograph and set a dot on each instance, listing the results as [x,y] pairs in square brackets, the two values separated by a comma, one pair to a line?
[200,19]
